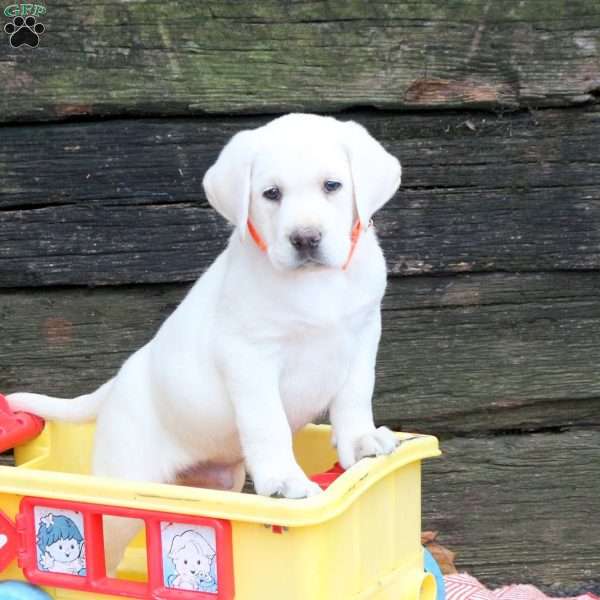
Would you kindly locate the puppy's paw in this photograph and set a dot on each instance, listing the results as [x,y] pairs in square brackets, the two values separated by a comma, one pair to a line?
[295,486]
[375,443]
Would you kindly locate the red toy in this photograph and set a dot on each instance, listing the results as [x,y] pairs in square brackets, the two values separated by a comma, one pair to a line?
[325,479]
[26,539]
[17,427]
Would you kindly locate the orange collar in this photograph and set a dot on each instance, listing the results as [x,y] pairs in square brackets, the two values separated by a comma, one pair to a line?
[256,236]
[354,236]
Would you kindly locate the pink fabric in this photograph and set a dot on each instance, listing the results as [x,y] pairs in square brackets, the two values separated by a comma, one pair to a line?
[464,587]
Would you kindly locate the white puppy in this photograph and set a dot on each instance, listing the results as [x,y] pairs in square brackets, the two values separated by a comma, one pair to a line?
[283,326]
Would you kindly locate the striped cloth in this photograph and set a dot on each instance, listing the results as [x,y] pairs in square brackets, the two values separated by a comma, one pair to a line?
[461,586]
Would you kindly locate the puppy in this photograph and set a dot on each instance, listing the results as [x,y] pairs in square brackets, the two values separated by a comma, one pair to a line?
[283,327]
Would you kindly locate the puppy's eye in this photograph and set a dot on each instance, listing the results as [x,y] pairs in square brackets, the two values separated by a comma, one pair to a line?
[273,194]
[331,186]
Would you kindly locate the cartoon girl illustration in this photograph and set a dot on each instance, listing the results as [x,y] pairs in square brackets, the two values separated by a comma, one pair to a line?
[192,558]
[61,545]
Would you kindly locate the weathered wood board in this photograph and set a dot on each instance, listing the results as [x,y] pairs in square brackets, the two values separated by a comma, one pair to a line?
[519,508]
[109,57]
[121,202]
[470,353]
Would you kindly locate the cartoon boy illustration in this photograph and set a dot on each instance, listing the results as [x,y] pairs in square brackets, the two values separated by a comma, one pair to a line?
[61,545]
[192,558]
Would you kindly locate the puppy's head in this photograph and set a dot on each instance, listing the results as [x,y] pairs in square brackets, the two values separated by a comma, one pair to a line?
[303,181]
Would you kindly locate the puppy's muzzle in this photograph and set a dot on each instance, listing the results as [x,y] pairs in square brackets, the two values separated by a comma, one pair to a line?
[306,241]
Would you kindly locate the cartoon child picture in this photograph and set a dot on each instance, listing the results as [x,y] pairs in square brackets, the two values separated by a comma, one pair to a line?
[192,559]
[60,544]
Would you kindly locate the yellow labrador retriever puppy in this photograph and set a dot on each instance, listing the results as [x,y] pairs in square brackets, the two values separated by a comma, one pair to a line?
[283,326]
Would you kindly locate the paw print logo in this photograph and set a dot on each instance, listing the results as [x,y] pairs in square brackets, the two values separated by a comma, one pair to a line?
[24,31]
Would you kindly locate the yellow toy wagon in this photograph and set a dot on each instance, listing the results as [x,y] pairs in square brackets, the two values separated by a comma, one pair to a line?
[358,540]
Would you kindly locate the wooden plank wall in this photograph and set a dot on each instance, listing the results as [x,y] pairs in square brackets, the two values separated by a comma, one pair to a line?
[492,317]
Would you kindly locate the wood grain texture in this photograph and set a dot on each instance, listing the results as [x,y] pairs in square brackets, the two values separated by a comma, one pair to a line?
[481,353]
[120,202]
[469,353]
[519,508]
[139,58]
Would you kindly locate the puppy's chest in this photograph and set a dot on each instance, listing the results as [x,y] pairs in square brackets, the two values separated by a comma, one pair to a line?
[314,368]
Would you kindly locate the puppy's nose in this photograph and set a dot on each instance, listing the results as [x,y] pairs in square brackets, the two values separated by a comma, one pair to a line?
[306,238]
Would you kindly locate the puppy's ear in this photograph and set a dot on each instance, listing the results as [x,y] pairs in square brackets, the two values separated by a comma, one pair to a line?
[227,183]
[375,172]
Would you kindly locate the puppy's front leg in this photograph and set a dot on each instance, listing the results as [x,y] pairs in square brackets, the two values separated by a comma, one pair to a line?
[264,431]
[351,414]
